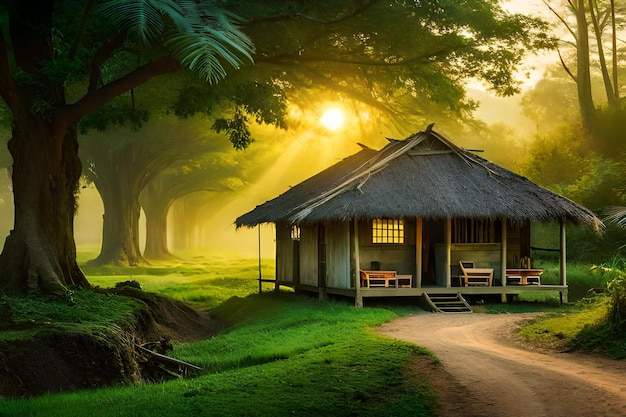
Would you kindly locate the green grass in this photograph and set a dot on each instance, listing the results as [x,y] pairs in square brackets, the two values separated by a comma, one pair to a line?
[200,280]
[565,325]
[88,311]
[284,355]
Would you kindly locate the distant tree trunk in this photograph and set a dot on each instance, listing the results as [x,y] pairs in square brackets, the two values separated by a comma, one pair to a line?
[614,51]
[185,217]
[40,253]
[120,226]
[155,206]
[597,29]
[583,74]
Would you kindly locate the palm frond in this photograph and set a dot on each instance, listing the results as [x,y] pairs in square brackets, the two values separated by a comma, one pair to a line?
[142,19]
[615,215]
[201,35]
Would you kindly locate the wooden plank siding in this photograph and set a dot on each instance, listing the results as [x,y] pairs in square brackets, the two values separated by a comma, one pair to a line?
[398,257]
[308,255]
[284,253]
[338,255]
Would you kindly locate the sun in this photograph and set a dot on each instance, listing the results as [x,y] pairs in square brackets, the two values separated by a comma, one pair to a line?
[332,118]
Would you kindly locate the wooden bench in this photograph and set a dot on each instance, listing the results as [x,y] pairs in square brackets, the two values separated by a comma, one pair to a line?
[385,279]
[476,276]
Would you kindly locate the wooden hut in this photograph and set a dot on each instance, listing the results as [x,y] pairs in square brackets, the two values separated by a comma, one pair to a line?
[398,221]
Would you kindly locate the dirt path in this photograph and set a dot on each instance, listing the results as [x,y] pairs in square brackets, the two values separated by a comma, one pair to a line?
[495,376]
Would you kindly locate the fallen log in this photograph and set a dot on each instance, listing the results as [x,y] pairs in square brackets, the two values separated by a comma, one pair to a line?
[167,359]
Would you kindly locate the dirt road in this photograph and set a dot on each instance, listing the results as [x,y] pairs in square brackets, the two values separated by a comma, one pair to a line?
[496,377]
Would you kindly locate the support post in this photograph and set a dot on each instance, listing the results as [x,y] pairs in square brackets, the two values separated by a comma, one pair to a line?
[503,251]
[258,228]
[356,267]
[563,260]
[419,262]
[448,233]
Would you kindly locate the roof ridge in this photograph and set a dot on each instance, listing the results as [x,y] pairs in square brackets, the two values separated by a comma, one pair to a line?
[365,170]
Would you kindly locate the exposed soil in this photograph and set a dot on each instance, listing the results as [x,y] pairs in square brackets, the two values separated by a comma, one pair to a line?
[487,371]
[55,361]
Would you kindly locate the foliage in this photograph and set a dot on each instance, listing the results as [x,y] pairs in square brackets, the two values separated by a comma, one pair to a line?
[405,60]
[561,328]
[201,35]
[617,305]
[608,333]
[596,322]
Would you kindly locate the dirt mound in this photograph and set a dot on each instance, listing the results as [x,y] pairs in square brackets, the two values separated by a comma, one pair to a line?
[56,361]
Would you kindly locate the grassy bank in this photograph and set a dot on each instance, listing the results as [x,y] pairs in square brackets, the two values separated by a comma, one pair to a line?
[284,355]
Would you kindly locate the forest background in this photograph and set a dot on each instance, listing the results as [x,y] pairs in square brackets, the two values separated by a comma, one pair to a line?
[538,133]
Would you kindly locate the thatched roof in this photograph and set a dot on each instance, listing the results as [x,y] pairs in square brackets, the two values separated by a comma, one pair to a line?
[423,176]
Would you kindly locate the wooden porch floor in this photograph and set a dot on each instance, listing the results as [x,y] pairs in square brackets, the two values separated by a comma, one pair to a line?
[418,292]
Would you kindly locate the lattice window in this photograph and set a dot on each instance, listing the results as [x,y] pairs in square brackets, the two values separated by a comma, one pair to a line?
[387,231]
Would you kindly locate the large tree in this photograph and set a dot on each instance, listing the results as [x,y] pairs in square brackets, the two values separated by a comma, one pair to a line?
[114,46]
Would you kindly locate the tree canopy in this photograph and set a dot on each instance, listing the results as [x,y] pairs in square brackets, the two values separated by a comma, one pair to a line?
[63,60]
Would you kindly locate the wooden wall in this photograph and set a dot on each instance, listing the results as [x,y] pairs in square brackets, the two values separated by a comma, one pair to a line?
[284,253]
[484,255]
[338,255]
[308,255]
[392,257]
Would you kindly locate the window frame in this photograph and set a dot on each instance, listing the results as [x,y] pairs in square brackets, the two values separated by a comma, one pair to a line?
[388,231]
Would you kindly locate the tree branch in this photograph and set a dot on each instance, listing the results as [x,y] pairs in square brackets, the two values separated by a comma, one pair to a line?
[567,26]
[97,98]
[297,15]
[95,75]
[291,58]
[81,29]
[565,67]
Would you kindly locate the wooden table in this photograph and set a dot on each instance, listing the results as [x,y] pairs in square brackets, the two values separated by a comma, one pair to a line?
[525,275]
[386,279]
[378,278]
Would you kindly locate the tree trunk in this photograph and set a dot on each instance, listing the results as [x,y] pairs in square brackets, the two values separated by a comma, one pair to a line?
[40,252]
[155,206]
[583,74]
[120,226]
[614,51]
[608,86]
[186,232]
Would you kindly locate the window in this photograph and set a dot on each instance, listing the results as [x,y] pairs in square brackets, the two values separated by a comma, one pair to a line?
[295,232]
[387,231]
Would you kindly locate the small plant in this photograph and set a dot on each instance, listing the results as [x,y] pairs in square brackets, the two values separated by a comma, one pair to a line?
[617,303]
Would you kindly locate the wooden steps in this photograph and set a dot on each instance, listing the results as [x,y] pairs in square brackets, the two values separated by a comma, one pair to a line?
[447,303]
